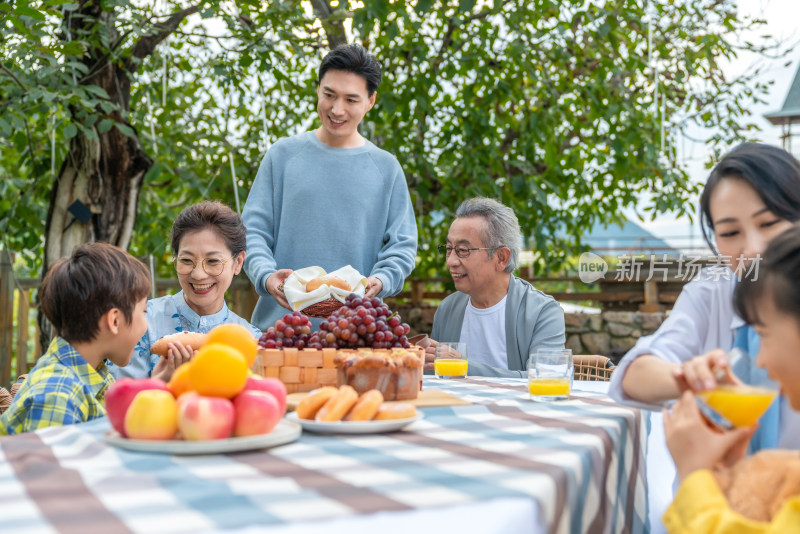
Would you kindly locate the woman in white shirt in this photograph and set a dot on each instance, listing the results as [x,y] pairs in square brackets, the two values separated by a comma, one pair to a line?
[752,195]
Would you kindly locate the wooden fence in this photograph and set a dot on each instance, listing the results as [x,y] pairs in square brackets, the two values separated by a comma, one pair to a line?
[19,335]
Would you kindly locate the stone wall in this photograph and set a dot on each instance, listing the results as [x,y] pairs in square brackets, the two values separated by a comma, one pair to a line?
[610,333]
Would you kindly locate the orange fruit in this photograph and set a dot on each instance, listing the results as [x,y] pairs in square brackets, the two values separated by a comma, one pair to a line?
[180,382]
[236,336]
[218,370]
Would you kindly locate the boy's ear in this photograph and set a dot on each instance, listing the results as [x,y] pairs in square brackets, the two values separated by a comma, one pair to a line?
[111,321]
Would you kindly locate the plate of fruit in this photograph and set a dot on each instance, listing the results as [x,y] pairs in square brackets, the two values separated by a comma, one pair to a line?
[330,410]
[283,433]
[212,404]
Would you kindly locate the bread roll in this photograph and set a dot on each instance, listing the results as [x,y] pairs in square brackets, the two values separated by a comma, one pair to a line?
[316,399]
[328,280]
[400,410]
[195,340]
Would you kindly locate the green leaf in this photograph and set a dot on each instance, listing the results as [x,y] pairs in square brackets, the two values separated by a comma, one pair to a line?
[19,25]
[466,6]
[29,12]
[96,90]
[72,48]
[423,6]
[125,129]
[104,126]
[70,131]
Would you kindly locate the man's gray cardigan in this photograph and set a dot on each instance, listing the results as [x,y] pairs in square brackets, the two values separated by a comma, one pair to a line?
[534,321]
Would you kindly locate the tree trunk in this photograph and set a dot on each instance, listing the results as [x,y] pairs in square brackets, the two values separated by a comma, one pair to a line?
[104,173]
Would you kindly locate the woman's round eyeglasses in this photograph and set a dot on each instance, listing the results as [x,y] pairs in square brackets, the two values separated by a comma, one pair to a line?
[212,266]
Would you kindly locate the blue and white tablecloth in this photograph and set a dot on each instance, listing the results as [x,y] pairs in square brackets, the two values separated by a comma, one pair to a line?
[580,462]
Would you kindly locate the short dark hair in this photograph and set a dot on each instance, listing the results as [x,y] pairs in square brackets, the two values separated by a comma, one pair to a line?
[78,290]
[771,171]
[215,216]
[353,58]
[778,278]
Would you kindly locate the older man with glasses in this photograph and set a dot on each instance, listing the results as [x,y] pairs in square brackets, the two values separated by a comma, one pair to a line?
[500,317]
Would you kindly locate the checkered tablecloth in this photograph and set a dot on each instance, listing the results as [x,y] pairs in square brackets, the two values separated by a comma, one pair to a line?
[580,461]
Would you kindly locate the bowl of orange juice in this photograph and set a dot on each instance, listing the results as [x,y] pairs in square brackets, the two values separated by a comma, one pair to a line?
[740,404]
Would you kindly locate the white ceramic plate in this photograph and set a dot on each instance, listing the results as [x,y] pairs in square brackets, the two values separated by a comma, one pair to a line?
[284,432]
[354,427]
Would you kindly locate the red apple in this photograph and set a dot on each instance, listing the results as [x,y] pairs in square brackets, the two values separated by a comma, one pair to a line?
[120,395]
[202,418]
[270,385]
[257,412]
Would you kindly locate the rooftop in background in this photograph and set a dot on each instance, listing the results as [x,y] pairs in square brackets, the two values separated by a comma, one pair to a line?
[632,239]
[789,114]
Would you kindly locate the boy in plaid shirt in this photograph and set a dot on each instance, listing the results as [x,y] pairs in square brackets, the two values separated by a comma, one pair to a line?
[96,300]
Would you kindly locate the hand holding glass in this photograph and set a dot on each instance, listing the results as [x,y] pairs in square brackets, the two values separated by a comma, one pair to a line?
[740,404]
[550,374]
[450,360]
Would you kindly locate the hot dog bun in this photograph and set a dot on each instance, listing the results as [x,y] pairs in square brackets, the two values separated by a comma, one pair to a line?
[400,410]
[328,280]
[190,339]
[310,405]
[365,407]
[338,405]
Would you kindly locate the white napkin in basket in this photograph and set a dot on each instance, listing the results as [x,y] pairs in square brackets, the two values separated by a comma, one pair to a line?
[295,286]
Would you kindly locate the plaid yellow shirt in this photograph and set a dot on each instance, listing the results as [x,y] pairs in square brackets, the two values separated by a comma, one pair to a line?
[62,389]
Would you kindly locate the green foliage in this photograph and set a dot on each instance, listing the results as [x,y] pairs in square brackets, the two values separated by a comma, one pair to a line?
[547,106]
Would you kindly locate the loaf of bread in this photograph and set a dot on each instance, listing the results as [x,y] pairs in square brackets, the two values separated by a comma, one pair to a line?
[328,280]
[397,374]
[195,340]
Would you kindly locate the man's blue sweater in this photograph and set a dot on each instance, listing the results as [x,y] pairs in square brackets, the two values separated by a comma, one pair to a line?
[313,204]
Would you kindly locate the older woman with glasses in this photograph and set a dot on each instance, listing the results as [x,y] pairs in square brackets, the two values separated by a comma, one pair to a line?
[208,240]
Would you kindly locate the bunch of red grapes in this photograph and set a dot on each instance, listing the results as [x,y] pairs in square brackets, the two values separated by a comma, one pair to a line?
[291,331]
[363,322]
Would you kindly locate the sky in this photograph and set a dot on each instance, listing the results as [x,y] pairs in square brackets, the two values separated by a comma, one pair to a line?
[781,22]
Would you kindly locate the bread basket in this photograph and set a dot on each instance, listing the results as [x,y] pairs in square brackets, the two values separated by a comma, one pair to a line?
[323,301]
[322,310]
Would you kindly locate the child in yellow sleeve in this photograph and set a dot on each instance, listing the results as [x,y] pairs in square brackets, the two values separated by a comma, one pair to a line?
[770,301]
[96,300]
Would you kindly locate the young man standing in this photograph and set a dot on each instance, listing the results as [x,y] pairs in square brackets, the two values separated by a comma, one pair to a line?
[330,197]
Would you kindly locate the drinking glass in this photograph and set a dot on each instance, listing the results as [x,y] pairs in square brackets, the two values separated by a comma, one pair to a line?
[450,360]
[550,374]
[735,405]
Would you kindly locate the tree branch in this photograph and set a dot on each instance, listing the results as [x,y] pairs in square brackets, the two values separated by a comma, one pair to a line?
[148,42]
[12,76]
[324,11]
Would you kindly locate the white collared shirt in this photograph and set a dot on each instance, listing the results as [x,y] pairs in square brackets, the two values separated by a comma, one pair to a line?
[702,319]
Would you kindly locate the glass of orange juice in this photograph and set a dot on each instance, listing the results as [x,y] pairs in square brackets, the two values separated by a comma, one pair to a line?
[450,360]
[550,374]
[740,404]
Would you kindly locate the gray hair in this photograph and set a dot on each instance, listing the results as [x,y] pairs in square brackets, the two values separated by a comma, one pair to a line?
[501,229]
